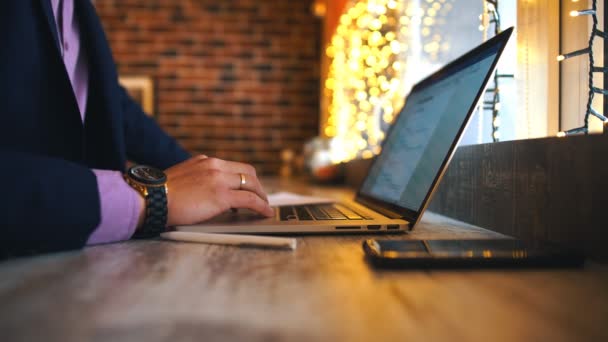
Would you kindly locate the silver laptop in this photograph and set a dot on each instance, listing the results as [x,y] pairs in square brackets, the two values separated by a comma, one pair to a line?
[403,177]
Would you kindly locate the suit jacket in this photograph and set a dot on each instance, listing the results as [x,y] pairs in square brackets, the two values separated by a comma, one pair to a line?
[49,199]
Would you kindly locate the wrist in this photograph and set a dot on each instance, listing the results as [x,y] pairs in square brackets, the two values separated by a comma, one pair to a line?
[150,183]
[142,212]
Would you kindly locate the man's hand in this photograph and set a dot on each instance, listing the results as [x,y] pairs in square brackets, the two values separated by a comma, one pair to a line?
[203,187]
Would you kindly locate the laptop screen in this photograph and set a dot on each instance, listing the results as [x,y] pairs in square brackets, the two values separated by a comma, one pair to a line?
[427,126]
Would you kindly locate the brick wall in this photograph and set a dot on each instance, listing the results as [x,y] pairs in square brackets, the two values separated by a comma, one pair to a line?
[236,79]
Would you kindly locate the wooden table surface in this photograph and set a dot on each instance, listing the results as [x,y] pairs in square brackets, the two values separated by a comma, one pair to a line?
[323,291]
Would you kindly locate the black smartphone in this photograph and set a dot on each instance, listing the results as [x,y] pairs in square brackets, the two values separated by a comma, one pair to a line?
[509,253]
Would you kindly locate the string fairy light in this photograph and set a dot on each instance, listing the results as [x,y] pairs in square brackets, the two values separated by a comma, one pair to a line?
[595,32]
[491,18]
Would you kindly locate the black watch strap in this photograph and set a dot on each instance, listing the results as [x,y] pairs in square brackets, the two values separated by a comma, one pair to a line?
[156,213]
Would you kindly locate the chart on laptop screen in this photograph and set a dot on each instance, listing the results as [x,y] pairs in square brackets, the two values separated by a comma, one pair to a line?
[424,132]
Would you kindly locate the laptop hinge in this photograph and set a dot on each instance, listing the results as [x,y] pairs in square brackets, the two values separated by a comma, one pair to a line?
[384,211]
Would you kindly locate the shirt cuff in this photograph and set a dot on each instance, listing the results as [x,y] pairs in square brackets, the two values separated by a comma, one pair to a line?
[120,206]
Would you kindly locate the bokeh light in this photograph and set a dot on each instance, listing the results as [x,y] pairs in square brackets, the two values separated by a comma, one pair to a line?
[376,56]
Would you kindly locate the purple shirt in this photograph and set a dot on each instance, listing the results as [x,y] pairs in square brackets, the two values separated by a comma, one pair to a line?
[120,204]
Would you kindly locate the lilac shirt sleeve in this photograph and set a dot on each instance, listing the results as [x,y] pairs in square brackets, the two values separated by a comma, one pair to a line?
[120,206]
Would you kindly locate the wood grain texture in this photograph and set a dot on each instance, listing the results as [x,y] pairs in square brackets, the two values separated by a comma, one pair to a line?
[543,189]
[538,189]
[323,291]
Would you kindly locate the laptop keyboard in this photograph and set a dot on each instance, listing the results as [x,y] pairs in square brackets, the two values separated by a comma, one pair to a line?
[313,212]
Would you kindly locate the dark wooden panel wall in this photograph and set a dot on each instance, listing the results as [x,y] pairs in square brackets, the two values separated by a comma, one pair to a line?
[548,189]
[544,189]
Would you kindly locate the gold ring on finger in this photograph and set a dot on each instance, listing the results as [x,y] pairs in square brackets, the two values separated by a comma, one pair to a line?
[243,181]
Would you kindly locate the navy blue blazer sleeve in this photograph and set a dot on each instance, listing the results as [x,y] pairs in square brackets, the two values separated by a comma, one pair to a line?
[47,204]
[145,142]
[49,199]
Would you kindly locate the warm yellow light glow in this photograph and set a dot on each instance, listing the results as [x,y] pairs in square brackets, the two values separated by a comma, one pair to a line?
[369,55]
[395,47]
[561,134]
[560,58]
[582,12]
[374,91]
[361,125]
[319,8]
[375,38]
[361,96]
[375,24]
[367,154]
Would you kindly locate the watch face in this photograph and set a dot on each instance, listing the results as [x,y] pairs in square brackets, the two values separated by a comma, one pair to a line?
[147,175]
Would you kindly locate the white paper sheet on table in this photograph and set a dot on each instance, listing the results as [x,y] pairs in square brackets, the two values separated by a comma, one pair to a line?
[290,198]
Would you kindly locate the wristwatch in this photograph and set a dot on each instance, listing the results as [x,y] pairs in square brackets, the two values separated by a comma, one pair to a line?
[151,183]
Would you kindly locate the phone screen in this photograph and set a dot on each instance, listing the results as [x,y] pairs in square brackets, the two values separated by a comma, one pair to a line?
[467,252]
[481,248]
[453,247]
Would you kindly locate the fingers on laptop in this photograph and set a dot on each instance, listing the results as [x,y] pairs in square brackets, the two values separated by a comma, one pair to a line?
[250,200]
[252,184]
[248,182]
[230,174]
